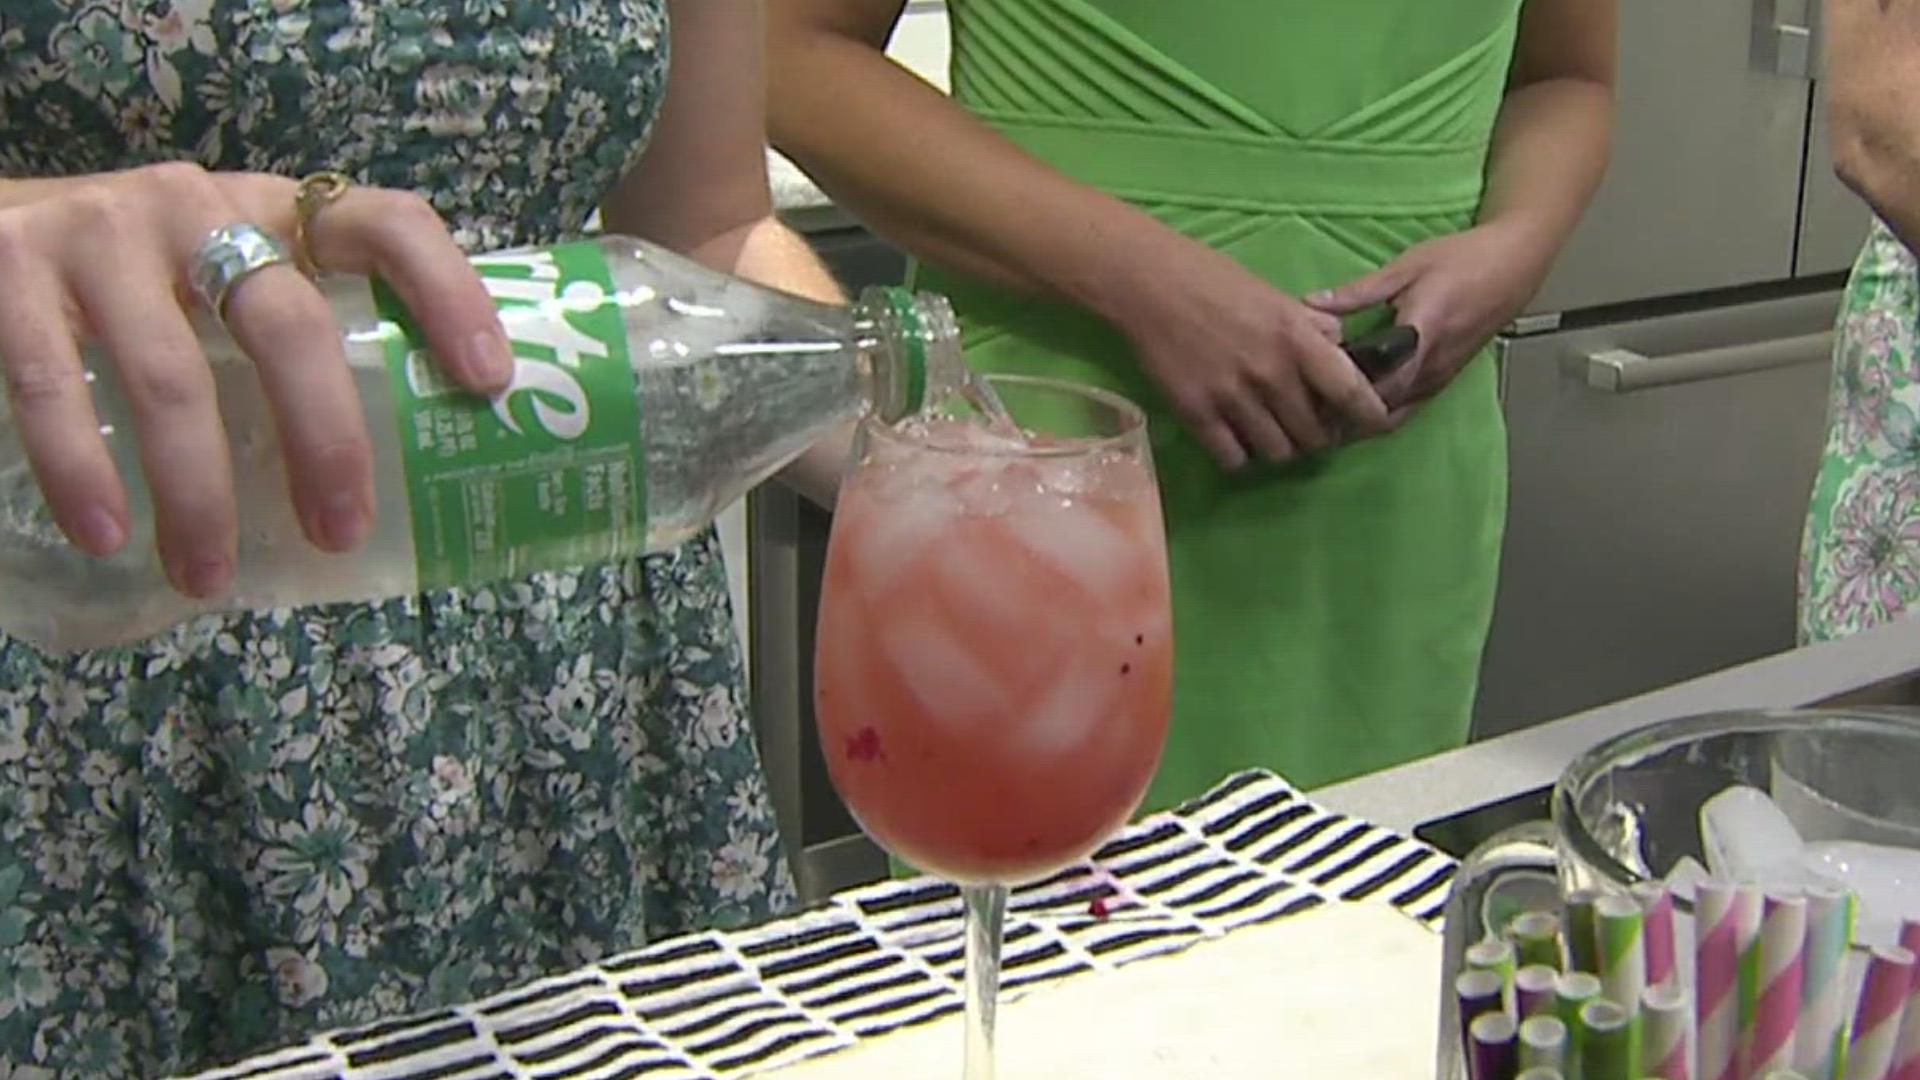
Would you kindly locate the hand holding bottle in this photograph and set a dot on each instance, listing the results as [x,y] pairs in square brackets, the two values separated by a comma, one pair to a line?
[104,261]
[648,391]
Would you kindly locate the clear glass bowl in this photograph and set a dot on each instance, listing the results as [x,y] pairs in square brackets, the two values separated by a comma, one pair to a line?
[1628,810]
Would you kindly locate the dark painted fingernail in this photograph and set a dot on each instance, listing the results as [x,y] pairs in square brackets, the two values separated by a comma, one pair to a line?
[344,521]
[207,577]
[490,357]
[101,532]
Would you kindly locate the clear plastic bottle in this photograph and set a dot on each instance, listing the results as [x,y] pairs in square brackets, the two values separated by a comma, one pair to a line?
[649,392]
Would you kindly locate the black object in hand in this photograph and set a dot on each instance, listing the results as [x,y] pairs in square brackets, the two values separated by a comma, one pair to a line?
[1378,354]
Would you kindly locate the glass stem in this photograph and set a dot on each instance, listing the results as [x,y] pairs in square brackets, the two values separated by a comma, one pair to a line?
[986,910]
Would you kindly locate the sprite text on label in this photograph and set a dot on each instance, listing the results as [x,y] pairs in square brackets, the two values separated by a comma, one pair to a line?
[549,473]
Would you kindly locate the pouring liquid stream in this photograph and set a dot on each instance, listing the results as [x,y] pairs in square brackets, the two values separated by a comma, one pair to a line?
[977,392]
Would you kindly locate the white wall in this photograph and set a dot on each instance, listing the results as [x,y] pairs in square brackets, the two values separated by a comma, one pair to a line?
[920,40]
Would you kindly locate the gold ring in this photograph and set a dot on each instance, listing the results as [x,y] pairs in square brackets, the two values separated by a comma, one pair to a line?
[316,192]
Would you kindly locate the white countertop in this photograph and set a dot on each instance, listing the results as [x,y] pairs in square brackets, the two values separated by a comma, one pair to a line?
[1485,772]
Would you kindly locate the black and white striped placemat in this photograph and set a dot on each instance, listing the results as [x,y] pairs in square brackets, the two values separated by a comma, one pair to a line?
[715,1006]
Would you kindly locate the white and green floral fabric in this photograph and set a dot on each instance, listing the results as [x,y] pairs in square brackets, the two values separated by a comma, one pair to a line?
[262,825]
[1860,563]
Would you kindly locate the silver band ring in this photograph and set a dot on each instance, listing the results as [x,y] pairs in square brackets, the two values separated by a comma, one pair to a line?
[228,256]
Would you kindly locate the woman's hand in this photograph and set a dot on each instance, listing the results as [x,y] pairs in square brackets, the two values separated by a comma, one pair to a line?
[1458,291]
[1249,369]
[1548,153]
[103,260]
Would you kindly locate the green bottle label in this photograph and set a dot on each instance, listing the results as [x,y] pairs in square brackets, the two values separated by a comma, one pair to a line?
[549,473]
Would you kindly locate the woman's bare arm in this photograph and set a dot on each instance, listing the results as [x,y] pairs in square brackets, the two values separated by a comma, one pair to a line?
[701,187]
[1872,68]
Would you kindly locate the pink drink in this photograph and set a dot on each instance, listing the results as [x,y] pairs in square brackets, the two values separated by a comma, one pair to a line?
[994,668]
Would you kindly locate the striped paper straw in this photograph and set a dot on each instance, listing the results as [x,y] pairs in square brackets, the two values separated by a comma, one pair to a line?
[1749,909]
[1583,934]
[1906,1052]
[1876,1022]
[1479,993]
[1495,1055]
[1533,991]
[1820,1046]
[1656,903]
[1910,941]
[1495,955]
[1570,995]
[1543,1043]
[1783,945]
[1666,1049]
[1623,962]
[1716,979]
[1491,954]
[1607,1044]
[1536,938]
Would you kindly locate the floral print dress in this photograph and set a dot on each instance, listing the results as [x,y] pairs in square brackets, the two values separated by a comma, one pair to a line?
[1860,564]
[260,825]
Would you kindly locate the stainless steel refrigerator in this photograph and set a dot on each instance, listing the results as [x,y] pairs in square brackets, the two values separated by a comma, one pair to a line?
[1665,397]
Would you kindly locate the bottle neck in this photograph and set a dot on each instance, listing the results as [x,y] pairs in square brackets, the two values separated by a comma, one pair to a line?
[910,347]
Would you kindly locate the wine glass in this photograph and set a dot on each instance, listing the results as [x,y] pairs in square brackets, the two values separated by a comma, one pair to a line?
[994,657]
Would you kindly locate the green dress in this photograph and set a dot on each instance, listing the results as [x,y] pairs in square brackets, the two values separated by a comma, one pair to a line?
[263,825]
[1329,614]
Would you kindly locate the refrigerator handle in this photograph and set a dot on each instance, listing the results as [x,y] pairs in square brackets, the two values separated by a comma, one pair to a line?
[1788,36]
[1621,371]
